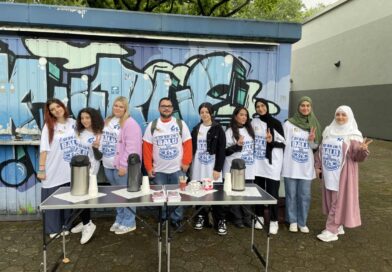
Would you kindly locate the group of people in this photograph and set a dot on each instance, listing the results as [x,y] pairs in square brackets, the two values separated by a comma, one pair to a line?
[295,151]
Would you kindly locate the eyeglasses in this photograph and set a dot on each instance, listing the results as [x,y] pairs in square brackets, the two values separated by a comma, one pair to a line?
[166,106]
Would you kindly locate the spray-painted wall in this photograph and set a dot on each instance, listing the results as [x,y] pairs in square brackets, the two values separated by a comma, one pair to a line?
[93,73]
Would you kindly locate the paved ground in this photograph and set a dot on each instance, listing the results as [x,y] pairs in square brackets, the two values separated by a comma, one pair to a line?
[368,248]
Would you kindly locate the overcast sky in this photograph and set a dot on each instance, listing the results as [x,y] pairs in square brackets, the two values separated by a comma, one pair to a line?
[314,3]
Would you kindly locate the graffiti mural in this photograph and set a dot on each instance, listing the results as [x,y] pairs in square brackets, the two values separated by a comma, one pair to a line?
[93,73]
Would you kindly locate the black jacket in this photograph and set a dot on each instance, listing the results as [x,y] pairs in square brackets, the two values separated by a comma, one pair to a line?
[216,143]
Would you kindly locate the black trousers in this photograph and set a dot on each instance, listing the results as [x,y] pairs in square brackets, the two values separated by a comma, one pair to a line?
[54,219]
[218,213]
[85,216]
[241,213]
[272,187]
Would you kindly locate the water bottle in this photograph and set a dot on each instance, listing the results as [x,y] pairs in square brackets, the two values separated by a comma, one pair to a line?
[134,173]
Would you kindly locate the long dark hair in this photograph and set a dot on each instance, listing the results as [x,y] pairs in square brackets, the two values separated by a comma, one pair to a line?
[234,124]
[50,120]
[210,109]
[97,122]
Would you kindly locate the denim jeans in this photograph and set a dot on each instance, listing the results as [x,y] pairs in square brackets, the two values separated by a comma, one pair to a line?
[124,216]
[172,178]
[297,200]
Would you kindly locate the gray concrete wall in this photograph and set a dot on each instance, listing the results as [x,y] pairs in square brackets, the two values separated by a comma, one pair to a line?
[358,34]
[372,107]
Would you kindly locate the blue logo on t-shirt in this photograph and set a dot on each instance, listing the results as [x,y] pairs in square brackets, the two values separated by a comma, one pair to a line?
[247,152]
[167,146]
[260,147]
[68,146]
[300,149]
[331,155]
[109,141]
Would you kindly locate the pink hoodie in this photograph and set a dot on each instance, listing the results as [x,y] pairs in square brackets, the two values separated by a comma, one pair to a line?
[129,141]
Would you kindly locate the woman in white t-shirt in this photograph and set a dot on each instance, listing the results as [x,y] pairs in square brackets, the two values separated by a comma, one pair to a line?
[342,148]
[240,145]
[208,146]
[56,150]
[89,126]
[303,135]
[269,144]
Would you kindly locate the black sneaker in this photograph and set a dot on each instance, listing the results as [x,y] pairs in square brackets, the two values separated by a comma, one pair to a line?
[199,223]
[222,229]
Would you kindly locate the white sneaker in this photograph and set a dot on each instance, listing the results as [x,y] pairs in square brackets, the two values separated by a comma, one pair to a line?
[87,233]
[124,229]
[257,223]
[64,233]
[327,236]
[78,228]
[114,227]
[304,229]
[274,227]
[341,230]
[293,227]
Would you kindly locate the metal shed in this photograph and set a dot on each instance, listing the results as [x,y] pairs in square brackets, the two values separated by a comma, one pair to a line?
[87,57]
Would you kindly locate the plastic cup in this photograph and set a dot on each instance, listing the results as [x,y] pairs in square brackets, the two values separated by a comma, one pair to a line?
[182,182]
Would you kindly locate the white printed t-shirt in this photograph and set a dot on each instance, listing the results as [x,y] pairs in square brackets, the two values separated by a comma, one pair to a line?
[298,160]
[332,159]
[247,153]
[203,162]
[262,166]
[167,145]
[85,147]
[58,153]
[109,140]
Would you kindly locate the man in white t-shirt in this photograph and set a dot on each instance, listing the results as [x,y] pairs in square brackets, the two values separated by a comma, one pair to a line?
[167,150]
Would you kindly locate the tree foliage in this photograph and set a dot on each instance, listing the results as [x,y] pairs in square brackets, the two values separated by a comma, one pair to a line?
[281,10]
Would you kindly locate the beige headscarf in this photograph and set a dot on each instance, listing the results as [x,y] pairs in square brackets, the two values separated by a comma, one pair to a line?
[348,131]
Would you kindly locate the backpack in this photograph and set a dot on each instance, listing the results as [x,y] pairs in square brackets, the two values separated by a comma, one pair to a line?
[155,122]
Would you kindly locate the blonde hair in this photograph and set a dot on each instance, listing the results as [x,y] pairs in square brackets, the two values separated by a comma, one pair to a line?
[126,115]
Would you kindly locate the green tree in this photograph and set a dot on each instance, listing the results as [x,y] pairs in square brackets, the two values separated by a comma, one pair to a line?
[281,10]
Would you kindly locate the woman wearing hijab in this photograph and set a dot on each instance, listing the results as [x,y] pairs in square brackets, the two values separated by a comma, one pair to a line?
[303,135]
[269,144]
[337,162]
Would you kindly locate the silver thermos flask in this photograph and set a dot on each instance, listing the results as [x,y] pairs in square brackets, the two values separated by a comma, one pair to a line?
[80,171]
[238,175]
[134,173]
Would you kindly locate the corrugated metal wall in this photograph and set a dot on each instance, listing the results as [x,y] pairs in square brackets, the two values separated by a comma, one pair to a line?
[93,73]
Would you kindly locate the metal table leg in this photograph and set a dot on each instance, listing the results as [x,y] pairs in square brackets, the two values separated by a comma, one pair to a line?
[44,240]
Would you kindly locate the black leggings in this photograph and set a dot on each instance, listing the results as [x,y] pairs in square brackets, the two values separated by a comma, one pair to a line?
[272,187]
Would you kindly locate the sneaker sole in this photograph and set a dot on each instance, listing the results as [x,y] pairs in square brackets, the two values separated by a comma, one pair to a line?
[124,232]
[329,240]
[78,230]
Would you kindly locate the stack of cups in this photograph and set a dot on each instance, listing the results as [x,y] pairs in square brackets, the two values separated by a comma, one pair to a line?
[227,184]
[145,185]
[93,186]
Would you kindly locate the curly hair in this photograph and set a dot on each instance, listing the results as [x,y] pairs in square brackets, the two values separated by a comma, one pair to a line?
[50,119]
[234,124]
[97,123]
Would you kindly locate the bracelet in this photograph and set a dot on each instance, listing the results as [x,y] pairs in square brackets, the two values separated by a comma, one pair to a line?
[41,172]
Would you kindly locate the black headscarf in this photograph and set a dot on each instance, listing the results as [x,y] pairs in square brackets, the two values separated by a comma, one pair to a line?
[273,124]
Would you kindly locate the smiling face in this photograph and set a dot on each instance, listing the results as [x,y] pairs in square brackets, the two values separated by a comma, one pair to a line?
[166,108]
[119,109]
[305,108]
[341,118]
[261,108]
[85,119]
[56,110]
[205,115]
[241,117]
